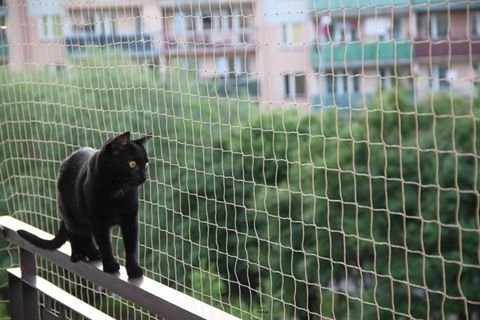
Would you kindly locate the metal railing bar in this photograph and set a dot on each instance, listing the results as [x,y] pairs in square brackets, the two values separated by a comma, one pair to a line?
[61,296]
[153,296]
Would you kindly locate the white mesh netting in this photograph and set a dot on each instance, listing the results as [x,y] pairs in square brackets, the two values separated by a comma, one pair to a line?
[310,159]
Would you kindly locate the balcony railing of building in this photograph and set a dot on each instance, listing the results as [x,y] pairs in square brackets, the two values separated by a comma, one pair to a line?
[146,45]
[322,5]
[319,5]
[210,41]
[450,48]
[3,49]
[138,45]
[361,54]
[348,99]
[25,286]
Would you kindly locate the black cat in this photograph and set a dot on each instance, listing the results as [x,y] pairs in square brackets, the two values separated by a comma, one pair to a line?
[95,191]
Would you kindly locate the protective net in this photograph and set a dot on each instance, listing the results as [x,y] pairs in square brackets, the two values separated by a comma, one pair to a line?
[310,159]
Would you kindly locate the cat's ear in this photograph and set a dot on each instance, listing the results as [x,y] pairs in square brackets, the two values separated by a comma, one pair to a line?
[143,140]
[120,141]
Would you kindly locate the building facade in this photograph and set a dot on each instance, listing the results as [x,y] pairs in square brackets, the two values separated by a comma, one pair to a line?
[254,48]
[446,55]
[365,47]
[302,53]
[34,34]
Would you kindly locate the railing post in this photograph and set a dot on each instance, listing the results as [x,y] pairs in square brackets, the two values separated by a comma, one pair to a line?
[24,299]
[15,297]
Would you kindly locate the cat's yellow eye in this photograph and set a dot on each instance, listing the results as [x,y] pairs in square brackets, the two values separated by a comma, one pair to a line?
[132,164]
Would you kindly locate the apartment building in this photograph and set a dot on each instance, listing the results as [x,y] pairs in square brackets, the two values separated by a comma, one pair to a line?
[259,48]
[277,52]
[284,33]
[446,54]
[132,26]
[34,34]
[214,38]
[363,47]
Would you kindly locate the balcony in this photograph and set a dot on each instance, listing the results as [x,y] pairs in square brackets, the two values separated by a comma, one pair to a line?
[211,42]
[358,54]
[136,45]
[323,5]
[326,5]
[342,100]
[450,49]
[421,5]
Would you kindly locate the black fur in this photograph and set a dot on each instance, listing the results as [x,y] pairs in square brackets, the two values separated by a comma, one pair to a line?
[97,190]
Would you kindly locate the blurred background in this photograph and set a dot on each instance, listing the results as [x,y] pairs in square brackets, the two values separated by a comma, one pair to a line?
[311,159]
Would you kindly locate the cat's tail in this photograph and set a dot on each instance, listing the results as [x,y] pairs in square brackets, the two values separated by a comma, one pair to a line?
[60,238]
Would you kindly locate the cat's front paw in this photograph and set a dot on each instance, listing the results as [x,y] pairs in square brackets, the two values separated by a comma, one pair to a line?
[134,271]
[93,255]
[111,267]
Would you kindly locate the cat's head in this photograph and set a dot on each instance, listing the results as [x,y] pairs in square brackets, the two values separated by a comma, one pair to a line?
[126,159]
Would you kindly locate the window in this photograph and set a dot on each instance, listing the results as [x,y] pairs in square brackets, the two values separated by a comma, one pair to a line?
[51,26]
[295,85]
[475,27]
[378,27]
[207,22]
[355,78]
[338,31]
[216,21]
[439,25]
[353,30]
[386,78]
[440,79]
[340,84]
[138,23]
[226,15]
[241,65]
[347,30]
[398,33]
[329,85]
[287,85]
[300,85]
[82,23]
[107,26]
[222,65]
[476,78]
[189,22]
[292,34]
[434,25]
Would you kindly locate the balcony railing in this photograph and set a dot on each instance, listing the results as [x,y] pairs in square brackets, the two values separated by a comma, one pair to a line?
[447,48]
[321,5]
[211,42]
[137,45]
[358,54]
[324,5]
[25,285]
[347,99]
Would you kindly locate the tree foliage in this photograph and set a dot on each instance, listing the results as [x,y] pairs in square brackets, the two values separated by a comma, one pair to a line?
[361,213]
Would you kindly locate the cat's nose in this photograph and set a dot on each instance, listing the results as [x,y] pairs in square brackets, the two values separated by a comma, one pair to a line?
[142,179]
